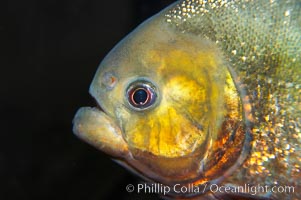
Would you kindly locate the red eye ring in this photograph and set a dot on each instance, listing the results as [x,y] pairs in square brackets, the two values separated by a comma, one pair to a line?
[141,95]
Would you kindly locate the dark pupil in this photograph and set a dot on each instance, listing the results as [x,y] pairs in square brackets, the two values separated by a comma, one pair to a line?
[140,96]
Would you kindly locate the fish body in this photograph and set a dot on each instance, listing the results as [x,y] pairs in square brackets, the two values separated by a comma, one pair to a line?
[205,93]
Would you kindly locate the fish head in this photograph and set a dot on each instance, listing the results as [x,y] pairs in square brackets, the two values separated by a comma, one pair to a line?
[162,103]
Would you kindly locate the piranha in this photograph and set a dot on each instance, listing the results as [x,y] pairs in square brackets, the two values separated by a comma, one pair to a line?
[205,93]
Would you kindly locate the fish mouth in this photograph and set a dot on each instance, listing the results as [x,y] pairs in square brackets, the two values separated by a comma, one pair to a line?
[98,106]
[94,126]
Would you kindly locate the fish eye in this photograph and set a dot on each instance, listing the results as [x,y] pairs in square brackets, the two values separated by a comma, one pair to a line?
[141,95]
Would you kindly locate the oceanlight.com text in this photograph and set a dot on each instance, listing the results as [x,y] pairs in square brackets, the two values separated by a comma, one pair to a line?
[158,188]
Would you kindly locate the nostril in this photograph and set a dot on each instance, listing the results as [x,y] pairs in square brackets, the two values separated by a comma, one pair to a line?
[109,80]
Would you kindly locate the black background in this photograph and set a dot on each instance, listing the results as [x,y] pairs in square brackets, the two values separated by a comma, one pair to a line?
[50,51]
